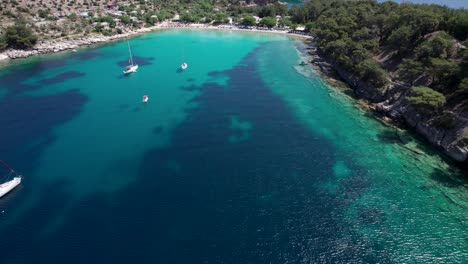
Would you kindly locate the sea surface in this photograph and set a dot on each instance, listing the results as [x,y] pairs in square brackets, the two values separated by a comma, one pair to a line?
[449,3]
[245,157]
[293,2]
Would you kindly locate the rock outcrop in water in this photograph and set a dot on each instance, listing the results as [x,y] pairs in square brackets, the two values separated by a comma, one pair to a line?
[391,103]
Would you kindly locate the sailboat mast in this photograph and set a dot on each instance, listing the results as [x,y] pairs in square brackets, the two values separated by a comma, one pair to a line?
[130,52]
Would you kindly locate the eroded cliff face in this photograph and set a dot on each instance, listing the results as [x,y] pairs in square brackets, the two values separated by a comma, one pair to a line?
[448,139]
[391,103]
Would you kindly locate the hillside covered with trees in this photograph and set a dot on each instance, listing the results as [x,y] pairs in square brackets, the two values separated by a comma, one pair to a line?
[23,22]
[413,57]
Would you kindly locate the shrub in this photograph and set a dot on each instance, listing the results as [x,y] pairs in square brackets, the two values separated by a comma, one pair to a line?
[3,43]
[268,22]
[371,71]
[19,36]
[73,17]
[425,99]
[248,21]
[410,70]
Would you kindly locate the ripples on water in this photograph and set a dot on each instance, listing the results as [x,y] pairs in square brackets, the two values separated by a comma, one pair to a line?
[239,160]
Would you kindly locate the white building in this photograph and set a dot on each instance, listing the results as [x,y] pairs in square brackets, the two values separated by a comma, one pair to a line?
[257,19]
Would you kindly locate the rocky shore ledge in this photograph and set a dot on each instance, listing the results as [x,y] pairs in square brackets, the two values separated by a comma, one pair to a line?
[392,105]
[53,46]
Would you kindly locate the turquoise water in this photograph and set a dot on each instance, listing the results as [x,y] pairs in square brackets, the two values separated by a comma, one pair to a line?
[245,157]
[449,3]
[294,2]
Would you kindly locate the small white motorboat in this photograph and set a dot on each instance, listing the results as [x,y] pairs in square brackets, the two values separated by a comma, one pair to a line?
[184,66]
[145,98]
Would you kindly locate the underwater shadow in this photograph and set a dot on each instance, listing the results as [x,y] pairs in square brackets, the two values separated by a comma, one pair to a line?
[448,179]
[221,186]
[141,61]
[62,77]
[390,137]
[27,121]
[87,55]
[13,80]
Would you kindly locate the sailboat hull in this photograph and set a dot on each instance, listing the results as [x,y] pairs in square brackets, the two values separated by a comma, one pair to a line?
[9,185]
[131,69]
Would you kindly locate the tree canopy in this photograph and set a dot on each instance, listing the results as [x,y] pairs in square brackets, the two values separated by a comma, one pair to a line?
[18,36]
[386,41]
[425,98]
[248,21]
[268,22]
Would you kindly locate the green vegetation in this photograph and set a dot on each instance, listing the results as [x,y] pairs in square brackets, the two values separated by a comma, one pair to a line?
[383,42]
[463,85]
[268,22]
[426,99]
[410,70]
[73,17]
[19,36]
[3,42]
[248,21]
[56,19]
[43,13]
[370,71]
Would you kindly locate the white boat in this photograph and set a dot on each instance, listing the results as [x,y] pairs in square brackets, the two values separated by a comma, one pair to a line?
[9,185]
[131,67]
[145,98]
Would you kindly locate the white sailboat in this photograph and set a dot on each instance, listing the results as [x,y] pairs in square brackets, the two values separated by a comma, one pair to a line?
[7,186]
[131,67]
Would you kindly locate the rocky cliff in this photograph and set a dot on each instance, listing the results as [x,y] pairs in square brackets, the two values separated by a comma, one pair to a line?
[391,103]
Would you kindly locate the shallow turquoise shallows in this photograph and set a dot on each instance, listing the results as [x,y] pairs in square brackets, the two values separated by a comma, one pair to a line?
[244,157]
[449,3]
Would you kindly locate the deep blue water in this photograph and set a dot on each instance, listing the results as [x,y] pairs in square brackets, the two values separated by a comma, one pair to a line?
[235,160]
[204,199]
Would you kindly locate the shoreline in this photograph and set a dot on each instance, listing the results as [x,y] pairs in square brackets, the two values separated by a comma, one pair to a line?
[330,74]
[56,46]
[313,58]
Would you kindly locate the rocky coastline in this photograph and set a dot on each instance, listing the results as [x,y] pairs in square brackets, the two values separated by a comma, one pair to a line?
[54,46]
[391,105]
